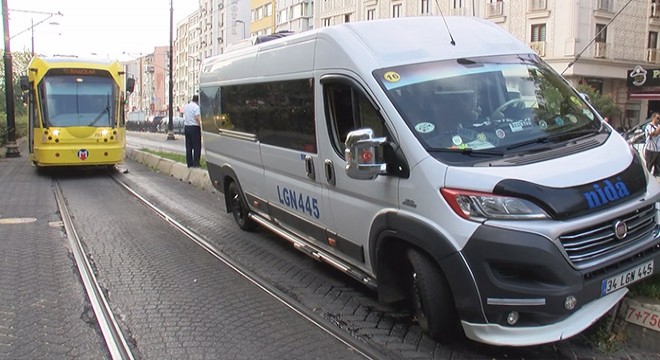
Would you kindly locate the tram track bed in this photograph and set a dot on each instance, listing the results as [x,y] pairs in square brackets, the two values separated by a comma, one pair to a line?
[175,298]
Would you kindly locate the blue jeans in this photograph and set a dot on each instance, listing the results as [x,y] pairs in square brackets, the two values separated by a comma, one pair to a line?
[193,136]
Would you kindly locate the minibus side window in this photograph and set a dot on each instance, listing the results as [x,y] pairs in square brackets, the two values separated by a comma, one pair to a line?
[278,113]
[348,109]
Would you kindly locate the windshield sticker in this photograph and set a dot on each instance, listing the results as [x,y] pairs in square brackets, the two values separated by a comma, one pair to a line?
[424,127]
[500,133]
[576,101]
[559,121]
[481,137]
[478,145]
[588,114]
[392,76]
[457,140]
[543,125]
[520,125]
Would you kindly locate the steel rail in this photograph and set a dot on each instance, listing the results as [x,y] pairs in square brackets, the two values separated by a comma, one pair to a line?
[112,334]
[364,349]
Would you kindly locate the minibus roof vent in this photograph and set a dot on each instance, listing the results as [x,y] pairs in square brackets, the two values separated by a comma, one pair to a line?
[280,34]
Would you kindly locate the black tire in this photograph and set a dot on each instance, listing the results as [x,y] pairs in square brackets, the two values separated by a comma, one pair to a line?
[431,298]
[239,208]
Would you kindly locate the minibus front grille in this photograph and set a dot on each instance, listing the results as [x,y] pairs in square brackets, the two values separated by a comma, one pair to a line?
[587,246]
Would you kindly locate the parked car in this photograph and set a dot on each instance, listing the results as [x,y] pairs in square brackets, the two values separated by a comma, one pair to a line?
[177,125]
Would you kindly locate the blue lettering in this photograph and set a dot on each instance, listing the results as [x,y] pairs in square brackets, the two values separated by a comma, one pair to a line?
[600,193]
[301,203]
[279,195]
[292,200]
[287,197]
[592,199]
[298,201]
[610,192]
[622,189]
[606,192]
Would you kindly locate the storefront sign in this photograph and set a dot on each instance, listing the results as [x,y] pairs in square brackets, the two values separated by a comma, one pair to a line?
[639,77]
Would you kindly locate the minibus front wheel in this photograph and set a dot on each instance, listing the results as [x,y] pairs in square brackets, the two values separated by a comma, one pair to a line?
[431,298]
[239,208]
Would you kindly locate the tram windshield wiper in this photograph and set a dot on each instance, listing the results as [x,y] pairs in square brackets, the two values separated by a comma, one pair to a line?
[98,117]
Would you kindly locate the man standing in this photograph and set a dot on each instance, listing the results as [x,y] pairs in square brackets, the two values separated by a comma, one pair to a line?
[193,132]
[652,146]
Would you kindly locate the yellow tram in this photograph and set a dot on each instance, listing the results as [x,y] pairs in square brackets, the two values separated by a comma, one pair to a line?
[76,111]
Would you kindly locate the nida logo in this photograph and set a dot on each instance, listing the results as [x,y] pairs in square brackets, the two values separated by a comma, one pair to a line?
[606,192]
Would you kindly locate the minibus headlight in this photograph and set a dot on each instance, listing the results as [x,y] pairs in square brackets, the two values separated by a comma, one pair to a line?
[479,206]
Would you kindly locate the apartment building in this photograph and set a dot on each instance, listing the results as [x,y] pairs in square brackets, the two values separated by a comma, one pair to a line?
[151,74]
[188,51]
[294,15]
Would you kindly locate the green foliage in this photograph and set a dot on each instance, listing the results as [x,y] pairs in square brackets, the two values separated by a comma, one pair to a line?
[21,123]
[174,156]
[20,61]
[604,104]
[648,288]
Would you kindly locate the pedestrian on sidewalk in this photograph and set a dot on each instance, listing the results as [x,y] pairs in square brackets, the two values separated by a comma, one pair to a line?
[193,132]
[652,146]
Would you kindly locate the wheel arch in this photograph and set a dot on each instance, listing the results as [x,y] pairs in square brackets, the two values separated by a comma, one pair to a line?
[391,235]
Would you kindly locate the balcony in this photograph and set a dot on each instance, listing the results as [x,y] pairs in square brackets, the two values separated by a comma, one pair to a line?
[652,55]
[536,5]
[655,10]
[495,9]
[601,50]
[538,47]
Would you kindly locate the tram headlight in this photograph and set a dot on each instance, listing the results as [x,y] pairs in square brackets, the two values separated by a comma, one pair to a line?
[104,132]
[56,132]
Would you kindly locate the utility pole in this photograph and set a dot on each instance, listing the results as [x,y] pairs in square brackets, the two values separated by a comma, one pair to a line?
[12,147]
[170,112]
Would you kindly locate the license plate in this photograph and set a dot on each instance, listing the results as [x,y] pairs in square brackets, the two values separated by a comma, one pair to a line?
[626,278]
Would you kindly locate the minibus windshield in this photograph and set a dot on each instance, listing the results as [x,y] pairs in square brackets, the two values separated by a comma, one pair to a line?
[72,100]
[500,104]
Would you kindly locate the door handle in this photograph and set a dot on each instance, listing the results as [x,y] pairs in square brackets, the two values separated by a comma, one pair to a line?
[309,167]
[329,172]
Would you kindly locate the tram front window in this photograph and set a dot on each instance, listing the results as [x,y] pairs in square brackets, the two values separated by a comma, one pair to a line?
[78,101]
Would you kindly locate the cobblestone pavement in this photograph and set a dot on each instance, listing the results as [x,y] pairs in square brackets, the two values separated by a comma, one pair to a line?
[44,313]
[174,299]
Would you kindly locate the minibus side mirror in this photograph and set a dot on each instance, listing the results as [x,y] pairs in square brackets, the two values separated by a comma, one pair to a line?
[361,150]
[25,83]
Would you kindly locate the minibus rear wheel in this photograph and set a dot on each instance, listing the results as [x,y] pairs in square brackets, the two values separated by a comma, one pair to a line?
[239,208]
[431,298]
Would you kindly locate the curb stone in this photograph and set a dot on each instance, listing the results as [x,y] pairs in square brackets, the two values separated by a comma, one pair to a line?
[194,176]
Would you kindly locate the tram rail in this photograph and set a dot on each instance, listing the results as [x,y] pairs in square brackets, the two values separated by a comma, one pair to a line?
[367,350]
[114,338]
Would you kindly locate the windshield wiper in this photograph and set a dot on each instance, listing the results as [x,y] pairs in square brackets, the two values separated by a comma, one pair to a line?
[468,151]
[572,135]
[98,117]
